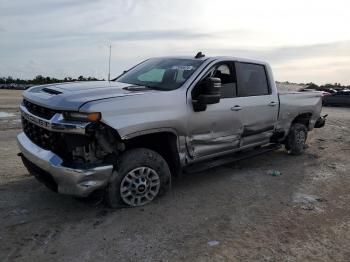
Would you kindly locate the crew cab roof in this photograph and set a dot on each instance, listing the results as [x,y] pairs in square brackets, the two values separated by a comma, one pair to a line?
[219,58]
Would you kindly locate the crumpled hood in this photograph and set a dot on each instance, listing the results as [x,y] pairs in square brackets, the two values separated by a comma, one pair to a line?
[72,95]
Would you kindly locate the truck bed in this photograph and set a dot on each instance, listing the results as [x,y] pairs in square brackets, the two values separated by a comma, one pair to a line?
[293,104]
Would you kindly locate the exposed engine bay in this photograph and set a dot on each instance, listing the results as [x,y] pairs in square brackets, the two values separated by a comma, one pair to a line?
[99,145]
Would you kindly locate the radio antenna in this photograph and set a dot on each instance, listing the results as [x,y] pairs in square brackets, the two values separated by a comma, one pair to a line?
[109,63]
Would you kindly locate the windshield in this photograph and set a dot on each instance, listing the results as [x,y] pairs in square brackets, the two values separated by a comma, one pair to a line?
[161,73]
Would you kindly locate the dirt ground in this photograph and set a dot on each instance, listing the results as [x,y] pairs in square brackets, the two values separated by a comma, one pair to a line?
[238,212]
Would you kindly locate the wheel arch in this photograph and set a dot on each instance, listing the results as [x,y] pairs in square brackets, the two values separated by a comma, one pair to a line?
[303,118]
[163,141]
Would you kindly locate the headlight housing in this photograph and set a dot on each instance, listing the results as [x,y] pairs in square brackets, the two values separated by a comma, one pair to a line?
[80,116]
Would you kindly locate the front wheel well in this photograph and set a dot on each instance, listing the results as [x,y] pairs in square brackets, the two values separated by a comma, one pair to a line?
[164,143]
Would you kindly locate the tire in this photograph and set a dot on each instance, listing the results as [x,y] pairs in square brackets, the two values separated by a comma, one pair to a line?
[140,176]
[295,141]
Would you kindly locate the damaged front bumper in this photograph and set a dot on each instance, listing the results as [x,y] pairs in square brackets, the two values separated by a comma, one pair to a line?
[48,168]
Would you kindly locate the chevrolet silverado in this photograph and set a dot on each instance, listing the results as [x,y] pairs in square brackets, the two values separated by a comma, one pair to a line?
[129,136]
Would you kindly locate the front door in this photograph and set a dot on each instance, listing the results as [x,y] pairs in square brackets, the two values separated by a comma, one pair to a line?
[218,128]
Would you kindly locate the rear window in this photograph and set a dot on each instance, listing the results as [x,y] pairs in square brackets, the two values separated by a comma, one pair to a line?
[252,80]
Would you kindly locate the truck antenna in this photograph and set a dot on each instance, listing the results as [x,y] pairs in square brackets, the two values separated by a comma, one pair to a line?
[199,55]
[109,63]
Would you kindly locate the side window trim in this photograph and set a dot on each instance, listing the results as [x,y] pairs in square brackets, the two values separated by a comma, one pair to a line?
[267,81]
[234,74]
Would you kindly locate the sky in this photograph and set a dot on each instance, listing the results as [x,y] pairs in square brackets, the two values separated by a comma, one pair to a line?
[303,40]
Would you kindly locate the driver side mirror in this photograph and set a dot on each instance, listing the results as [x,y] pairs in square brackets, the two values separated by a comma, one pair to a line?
[210,93]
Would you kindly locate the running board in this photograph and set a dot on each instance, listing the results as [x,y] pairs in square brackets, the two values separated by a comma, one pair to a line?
[201,166]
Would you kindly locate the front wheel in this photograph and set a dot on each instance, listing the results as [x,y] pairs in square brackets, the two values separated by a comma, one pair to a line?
[141,175]
[295,141]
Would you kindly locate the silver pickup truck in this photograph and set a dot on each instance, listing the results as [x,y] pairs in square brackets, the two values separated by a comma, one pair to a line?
[129,136]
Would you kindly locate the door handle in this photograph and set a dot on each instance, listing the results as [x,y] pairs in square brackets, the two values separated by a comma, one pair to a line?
[272,103]
[236,108]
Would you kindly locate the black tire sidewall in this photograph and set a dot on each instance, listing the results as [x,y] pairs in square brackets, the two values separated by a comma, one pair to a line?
[293,147]
[130,160]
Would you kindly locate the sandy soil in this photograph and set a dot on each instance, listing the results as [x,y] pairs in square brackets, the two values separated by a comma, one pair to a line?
[238,212]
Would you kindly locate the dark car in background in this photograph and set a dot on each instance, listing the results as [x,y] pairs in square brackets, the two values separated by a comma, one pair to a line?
[340,98]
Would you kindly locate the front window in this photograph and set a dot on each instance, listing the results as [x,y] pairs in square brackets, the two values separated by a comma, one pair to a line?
[161,73]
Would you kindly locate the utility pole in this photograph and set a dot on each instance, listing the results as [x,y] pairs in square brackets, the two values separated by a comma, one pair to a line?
[109,63]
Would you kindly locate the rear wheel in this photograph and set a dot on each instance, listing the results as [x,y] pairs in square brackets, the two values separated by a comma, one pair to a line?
[141,176]
[295,141]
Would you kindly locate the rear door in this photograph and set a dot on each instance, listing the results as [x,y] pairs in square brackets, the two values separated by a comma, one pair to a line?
[257,102]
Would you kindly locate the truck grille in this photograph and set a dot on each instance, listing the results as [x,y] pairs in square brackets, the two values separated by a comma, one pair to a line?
[39,111]
[40,136]
[58,143]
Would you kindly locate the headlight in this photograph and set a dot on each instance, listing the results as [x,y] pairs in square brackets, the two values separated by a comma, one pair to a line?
[91,117]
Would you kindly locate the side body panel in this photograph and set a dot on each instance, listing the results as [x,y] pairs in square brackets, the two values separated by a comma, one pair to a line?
[163,111]
[297,103]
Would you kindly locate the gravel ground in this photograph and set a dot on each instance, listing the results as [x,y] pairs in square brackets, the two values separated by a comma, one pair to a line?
[232,213]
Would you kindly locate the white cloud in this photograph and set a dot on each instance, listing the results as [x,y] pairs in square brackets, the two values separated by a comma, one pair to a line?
[71,37]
